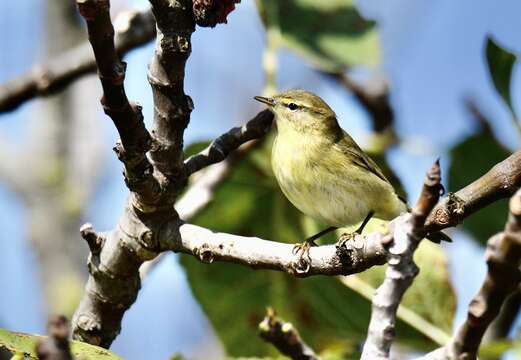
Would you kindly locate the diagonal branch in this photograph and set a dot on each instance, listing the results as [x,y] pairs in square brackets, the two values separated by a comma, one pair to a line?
[407,232]
[498,183]
[127,117]
[136,29]
[503,258]
[219,149]
[285,337]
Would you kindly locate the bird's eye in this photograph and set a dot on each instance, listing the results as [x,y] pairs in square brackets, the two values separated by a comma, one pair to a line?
[292,106]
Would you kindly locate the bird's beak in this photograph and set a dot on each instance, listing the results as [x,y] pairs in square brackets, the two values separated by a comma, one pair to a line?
[266,100]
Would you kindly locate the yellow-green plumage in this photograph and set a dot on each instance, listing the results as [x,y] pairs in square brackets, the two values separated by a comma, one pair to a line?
[321,169]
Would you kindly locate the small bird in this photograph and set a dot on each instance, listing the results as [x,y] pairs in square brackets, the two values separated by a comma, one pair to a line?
[323,171]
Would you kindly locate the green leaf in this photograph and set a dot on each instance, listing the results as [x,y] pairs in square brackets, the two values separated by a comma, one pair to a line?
[471,159]
[17,342]
[330,34]
[326,313]
[500,64]
[496,349]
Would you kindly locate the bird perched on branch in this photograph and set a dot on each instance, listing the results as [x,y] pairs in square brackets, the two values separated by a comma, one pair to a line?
[323,171]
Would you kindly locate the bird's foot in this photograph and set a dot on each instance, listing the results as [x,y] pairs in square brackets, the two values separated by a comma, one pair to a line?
[304,261]
[344,238]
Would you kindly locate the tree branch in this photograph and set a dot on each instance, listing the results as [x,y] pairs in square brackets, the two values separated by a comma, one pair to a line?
[503,258]
[201,193]
[172,107]
[406,234]
[136,29]
[285,337]
[356,254]
[499,182]
[219,149]
[149,224]
[127,117]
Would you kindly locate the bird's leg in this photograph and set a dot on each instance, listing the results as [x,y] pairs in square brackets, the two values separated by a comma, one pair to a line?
[310,241]
[364,223]
[303,248]
[348,236]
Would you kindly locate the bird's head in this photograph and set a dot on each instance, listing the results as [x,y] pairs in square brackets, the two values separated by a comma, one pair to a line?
[302,111]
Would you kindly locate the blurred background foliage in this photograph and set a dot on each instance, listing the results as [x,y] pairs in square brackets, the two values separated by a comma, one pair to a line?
[332,314]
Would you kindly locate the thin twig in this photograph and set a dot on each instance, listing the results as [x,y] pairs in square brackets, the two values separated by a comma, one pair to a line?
[503,258]
[229,141]
[135,29]
[407,232]
[285,337]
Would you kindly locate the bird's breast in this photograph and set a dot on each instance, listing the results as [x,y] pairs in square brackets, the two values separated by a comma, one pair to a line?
[314,185]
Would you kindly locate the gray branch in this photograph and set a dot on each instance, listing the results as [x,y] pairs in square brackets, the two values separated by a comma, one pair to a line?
[498,183]
[135,29]
[503,258]
[406,233]
[219,149]
[356,255]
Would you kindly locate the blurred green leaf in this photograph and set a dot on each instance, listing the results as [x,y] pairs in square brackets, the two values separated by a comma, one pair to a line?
[470,159]
[495,349]
[500,64]
[330,34]
[327,314]
[17,342]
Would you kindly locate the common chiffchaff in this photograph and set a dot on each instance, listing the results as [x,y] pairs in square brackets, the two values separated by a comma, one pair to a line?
[322,170]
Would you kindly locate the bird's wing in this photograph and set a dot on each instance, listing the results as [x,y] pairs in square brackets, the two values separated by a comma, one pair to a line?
[360,158]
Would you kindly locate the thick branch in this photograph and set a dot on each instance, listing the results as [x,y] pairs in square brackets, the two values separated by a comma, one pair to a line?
[127,117]
[503,257]
[149,224]
[285,338]
[219,149]
[499,182]
[172,107]
[407,232]
[136,29]
[354,256]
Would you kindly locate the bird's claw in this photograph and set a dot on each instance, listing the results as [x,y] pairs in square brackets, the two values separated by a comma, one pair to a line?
[304,260]
[344,238]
